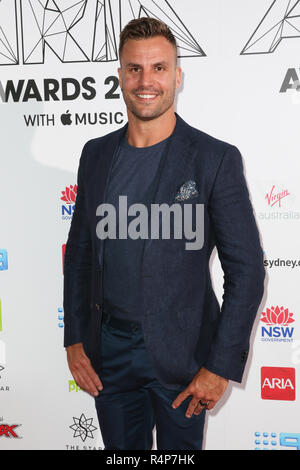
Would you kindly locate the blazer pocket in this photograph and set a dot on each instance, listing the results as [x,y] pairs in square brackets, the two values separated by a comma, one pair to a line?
[192,200]
[189,317]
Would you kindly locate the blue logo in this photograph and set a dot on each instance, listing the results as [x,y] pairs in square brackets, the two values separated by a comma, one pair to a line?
[3,260]
[67,212]
[60,317]
[273,332]
[276,441]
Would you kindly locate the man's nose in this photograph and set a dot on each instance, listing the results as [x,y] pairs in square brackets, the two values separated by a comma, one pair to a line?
[146,79]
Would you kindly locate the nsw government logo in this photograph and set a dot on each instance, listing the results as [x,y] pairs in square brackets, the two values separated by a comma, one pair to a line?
[69,198]
[277,324]
[278,383]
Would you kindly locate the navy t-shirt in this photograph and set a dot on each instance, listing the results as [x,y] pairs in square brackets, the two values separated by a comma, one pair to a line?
[133,175]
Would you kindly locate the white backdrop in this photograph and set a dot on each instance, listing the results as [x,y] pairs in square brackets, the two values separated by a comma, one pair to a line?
[240,84]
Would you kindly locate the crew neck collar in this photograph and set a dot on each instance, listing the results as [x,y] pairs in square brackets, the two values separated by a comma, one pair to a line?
[142,149]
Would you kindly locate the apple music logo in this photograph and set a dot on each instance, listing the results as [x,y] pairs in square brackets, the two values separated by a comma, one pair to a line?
[76,119]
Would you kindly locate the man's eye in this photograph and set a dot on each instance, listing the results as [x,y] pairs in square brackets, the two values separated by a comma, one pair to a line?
[134,69]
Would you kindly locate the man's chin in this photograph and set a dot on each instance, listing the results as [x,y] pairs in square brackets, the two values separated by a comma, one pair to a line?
[148,115]
[143,117]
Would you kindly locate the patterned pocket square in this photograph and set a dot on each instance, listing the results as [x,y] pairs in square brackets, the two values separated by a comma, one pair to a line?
[187,190]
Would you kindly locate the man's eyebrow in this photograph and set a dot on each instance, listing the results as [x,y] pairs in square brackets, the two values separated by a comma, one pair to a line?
[162,62]
[131,64]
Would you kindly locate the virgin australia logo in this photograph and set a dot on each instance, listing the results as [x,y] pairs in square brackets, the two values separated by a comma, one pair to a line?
[276,201]
[114,221]
[274,197]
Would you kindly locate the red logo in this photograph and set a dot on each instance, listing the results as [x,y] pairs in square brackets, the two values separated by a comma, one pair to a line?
[8,431]
[63,247]
[278,383]
[274,198]
[277,316]
[69,194]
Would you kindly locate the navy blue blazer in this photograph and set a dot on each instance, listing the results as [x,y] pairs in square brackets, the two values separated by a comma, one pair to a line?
[183,324]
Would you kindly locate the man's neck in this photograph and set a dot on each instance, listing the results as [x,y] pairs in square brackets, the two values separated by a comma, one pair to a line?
[145,133]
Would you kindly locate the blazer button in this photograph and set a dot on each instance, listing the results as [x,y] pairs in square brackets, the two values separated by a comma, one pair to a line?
[244,356]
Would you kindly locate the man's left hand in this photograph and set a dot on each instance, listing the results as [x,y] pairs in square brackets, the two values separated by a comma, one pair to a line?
[206,387]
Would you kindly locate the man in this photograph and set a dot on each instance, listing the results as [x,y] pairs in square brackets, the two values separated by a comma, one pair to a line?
[144,332]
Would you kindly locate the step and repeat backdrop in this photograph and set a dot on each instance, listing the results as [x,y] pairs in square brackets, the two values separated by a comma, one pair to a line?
[58,89]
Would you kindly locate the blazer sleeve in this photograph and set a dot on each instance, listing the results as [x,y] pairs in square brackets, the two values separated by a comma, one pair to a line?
[78,266]
[241,258]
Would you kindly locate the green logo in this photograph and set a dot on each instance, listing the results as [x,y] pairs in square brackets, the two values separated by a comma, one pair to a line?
[73,386]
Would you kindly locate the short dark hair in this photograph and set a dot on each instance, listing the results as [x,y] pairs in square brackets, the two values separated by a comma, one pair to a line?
[144,28]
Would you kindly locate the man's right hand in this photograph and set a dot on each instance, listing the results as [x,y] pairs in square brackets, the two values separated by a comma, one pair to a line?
[82,370]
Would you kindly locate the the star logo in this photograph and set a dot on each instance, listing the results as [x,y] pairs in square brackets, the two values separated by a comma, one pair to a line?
[83,427]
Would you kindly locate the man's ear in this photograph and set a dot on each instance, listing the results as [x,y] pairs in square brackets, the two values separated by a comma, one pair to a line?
[178,76]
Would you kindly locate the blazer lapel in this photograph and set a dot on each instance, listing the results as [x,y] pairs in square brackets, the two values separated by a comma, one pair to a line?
[175,168]
[109,150]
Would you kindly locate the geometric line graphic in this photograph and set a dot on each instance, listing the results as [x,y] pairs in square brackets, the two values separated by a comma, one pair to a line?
[281,21]
[105,43]
[106,18]
[83,427]
[162,10]
[9,48]
[51,23]
[80,30]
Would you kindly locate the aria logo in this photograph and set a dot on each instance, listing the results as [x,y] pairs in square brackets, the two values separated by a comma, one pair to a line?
[78,30]
[278,383]
[69,197]
[277,320]
[83,31]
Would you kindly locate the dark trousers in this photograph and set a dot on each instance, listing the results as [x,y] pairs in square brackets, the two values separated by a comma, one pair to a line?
[132,401]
